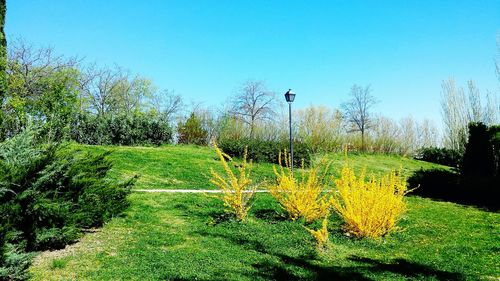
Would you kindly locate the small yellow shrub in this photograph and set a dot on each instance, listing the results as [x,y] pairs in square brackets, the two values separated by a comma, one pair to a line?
[237,191]
[369,208]
[306,197]
[321,235]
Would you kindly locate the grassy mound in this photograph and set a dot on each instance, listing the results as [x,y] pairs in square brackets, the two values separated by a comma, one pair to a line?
[188,237]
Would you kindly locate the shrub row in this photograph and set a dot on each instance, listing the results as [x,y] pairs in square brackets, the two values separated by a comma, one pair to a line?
[439,155]
[369,207]
[121,129]
[48,195]
[266,151]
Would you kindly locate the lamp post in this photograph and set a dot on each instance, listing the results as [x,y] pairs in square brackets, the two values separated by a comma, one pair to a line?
[290,97]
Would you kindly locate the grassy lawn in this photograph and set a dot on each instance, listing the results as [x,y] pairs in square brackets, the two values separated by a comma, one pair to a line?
[188,167]
[170,167]
[187,236]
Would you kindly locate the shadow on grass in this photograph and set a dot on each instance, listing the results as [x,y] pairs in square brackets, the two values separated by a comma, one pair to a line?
[364,266]
[450,186]
[280,266]
[269,215]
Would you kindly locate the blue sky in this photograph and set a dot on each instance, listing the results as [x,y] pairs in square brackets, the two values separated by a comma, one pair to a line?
[204,49]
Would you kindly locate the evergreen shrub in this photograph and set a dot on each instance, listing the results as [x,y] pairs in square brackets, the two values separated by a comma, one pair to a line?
[440,155]
[50,193]
[266,151]
[121,129]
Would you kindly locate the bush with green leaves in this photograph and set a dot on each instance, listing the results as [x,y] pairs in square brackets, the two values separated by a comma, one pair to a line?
[266,151]
[49,193]
[41,94]
[121,129]
[480,156]
[191,131]
[440,155]
[495,141]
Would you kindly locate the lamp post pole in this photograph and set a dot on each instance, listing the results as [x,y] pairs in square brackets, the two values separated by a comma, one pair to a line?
[291,134]
[290,97]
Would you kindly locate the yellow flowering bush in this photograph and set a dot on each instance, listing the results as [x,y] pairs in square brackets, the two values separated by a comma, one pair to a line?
[237,190]
[369,208]
[304,197]
[321,235]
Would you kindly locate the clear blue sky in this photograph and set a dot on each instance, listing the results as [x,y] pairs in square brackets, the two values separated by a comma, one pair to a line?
[203,49]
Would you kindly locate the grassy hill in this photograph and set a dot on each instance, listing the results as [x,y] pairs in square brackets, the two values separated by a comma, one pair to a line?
[188,167]
[187,237]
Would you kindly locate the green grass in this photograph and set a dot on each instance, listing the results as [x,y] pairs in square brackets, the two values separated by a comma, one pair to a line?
[188,237]
[170,167]
[378,164]
[188,167]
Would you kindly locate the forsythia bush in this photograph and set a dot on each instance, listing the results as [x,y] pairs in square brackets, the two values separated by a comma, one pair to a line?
[369,208]
[321,235]
[306,197]
[237,191]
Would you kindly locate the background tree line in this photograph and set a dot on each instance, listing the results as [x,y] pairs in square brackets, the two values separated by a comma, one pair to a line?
[94,104]
[90,104]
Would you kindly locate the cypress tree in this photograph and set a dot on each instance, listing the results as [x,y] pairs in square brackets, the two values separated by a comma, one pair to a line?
[3,63]
[3,90]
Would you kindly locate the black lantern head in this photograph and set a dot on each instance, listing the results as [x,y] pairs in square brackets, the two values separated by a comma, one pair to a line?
[289,96]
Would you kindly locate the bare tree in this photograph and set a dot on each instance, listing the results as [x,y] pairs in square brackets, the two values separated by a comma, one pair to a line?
[385,135]
[31,64]
[458,109]
[133,94]
[97,86]
[455,115]
[253,102]
[320,126]
[497,61]
[357,109]
[168,104]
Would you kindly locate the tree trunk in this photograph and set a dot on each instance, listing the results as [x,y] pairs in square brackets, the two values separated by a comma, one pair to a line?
[252,125]
[362,140]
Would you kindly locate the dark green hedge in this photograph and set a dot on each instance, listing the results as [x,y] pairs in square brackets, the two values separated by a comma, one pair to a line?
[439,155]
[266,151]
[481,151]
[121,129]
[48,195]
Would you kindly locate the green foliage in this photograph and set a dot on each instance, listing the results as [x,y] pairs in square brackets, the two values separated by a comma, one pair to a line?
[476,182]
[49,101]
[479,157]
[56,237]
[3,64]
[121,129]
[266,151]
[50,192]
[15,264]
[495,141]
[440,155]
[3,232]
[192,132]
